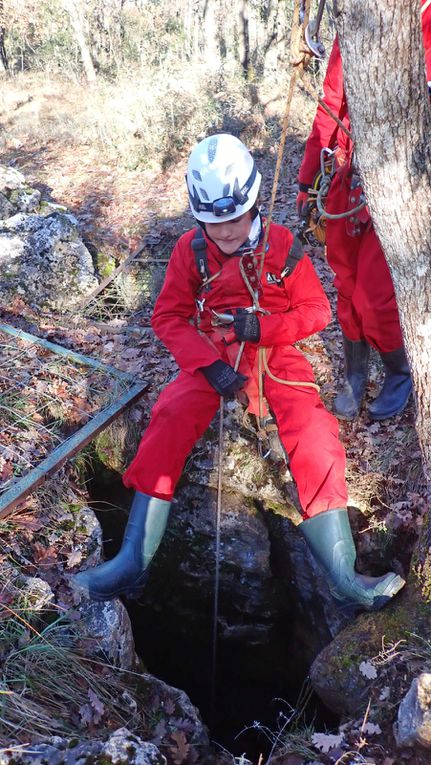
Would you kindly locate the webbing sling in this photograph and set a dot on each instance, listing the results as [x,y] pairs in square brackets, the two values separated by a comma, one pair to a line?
[199,247]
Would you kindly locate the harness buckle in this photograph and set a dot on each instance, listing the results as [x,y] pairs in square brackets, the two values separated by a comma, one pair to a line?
[200,303]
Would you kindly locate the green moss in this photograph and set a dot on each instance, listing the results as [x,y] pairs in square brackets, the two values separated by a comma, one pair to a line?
[109,450]
[285,510]
[422,574]
[363,639]
[15,195]
[106,264]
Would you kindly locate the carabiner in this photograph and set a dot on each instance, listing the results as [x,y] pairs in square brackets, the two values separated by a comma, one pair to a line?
[311,34]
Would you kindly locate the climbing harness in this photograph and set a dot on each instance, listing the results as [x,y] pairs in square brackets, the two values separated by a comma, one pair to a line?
[316,213]
[324,188]
[318,191]
[266,431]
[313,218]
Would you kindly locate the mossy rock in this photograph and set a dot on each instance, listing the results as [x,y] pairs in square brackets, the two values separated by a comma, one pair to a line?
[116,445]
[336,674]
[106,264]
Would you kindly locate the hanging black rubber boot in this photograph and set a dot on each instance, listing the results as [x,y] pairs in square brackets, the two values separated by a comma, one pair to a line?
[126,574]
[348,401]
[329,537]
[396,389]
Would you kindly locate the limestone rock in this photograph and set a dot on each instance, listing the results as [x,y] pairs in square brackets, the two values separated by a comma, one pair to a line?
[43,258]
[121,746]
[6,208]
[38,593]
[10,179]
[91,535]
[181,707]
[110,622]
[336,673]
[413,724]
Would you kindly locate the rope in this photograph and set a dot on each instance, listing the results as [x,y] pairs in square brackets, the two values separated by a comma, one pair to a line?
[295,73]
[293,80]
[261,358]
[217,570]
[297,383]
[314,94]
[325,185]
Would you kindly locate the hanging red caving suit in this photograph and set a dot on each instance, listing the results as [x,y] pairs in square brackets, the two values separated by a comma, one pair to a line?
[366,304]
[297,308]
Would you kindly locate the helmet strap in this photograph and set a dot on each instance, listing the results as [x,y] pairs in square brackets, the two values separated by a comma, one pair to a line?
[254,234]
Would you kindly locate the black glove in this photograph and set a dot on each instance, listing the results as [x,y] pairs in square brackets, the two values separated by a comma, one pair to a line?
[223,378]
[246,327]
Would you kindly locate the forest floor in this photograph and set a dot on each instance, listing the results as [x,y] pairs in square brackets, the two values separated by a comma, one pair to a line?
[120,208]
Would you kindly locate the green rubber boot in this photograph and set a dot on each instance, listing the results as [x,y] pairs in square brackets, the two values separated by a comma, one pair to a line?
[126,574]
[329,537]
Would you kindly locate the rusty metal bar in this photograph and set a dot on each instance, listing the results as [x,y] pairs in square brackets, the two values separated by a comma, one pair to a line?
[108,279]
[37,475]
[67,449]
[62,351]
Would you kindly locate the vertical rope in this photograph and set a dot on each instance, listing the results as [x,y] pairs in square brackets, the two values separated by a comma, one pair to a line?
[293,79]
[285,124]
[217,571]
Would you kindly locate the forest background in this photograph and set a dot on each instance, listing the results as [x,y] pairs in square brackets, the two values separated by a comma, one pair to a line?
[147,79]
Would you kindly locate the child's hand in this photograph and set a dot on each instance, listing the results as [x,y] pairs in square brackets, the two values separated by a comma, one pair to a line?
[246,327]
[223,378]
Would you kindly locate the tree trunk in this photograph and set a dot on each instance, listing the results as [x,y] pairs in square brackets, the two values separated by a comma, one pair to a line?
[244,37]
[4,64]
[77,20]
[391,123]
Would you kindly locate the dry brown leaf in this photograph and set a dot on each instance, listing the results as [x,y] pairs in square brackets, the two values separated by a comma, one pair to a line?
[74,558]
[181,750]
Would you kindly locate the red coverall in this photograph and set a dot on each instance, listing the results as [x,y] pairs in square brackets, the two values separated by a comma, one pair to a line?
[297,308]
[366,304]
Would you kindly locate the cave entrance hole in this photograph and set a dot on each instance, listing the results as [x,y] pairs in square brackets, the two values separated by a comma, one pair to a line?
[257,684]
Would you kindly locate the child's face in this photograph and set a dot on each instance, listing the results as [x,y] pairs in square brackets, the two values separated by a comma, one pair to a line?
[229,236]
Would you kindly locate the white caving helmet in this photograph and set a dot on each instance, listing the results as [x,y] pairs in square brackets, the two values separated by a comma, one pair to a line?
[222,179]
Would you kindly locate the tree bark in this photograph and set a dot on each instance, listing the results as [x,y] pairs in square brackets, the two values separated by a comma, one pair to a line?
[384,71]
[387,94]
[77,20]
[4,63]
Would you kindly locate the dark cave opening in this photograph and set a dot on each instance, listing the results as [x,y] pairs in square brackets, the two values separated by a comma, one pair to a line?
[248,693]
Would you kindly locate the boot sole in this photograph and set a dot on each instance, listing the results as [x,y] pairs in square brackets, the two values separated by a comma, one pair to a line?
[352,609]
[379,417]
[345,417]
[131,593]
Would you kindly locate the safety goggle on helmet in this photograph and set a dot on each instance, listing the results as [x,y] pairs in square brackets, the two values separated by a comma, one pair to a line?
[222,179]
